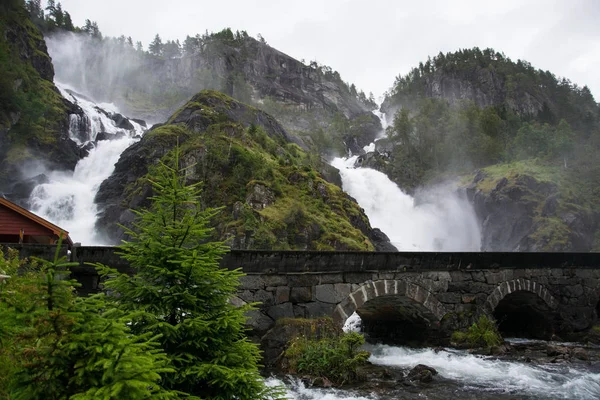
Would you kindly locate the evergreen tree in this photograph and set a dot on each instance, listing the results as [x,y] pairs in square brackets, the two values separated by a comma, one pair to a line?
[68,25]
[156,47]
[68,347]
[185,295]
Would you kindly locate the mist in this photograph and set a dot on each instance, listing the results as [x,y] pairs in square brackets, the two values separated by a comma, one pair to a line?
[140,85]
[442,219]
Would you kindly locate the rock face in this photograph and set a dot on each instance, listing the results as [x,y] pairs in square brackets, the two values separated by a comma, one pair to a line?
[274,196]
[303,98]
[520,213]
[483,85]
[34,120]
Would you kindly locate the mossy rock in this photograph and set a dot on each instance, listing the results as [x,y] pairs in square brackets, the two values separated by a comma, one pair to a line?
[271,191]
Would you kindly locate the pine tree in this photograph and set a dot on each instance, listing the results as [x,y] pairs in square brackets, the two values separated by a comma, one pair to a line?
[156,47]
[68,347]
[185,294]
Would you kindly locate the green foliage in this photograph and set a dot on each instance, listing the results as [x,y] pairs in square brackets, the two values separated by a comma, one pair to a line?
[183,296]
[242,164]
[335,357]
[57,346]
[483,333]
[30,106]
[435,137]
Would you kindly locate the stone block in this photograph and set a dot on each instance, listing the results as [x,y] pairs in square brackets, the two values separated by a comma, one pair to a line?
[282,294]
[317,309]
[386,275]
[275,280]
[261,296]
[572,291]
[284,310]
[258,321]
[439,286]
[303,280]
[460,276]
[299,311]
[252,282]
[330,278]
[426,284]
[379,287]
[494,278]
[437,275]
[301,295]
[332,293]
[452,298]
[358,277]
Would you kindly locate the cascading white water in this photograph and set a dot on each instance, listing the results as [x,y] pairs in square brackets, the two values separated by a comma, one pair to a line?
[67,200]
[445,221]
[95,120]
[486,374]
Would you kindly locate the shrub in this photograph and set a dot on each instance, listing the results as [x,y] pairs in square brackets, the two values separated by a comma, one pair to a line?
[336,358]
[482,333]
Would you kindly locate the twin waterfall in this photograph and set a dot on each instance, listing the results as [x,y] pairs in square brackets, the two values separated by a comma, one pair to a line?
[440,220]
[444,221]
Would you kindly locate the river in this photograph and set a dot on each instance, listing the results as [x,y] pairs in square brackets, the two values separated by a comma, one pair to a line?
[462,375]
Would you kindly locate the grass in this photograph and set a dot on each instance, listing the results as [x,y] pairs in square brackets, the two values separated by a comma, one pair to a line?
[336,357]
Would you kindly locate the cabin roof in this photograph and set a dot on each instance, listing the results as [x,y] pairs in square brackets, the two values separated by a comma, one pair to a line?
[58,231]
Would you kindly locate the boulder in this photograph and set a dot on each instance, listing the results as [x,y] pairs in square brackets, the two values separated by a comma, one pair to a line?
[122,122]
[421,373]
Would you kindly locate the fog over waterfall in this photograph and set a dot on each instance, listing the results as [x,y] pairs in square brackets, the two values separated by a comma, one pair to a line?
[440,219]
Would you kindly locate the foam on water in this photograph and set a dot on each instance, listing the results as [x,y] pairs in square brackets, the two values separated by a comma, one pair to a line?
[490,375]
[296,390]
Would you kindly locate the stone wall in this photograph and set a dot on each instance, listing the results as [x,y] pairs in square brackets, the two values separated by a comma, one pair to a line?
[448,290]
[457,296]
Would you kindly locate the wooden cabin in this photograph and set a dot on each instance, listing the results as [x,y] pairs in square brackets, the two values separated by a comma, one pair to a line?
[18,225]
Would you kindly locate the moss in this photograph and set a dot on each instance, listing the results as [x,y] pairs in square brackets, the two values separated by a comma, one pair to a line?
[23,92]
[306,211]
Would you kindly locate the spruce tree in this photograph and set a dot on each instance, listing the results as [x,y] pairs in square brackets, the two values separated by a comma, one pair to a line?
[65,347]
[185,295]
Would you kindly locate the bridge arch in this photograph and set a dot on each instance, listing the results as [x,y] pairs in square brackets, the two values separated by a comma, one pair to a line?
[392,309]
[516,285]
[523,308]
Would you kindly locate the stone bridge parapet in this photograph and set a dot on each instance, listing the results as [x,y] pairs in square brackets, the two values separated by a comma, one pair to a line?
[435,287]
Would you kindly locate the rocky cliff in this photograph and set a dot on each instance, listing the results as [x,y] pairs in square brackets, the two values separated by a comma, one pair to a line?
[273,194]
[532,137]
[34,118]
[524,208]
[488,78]
[302,97]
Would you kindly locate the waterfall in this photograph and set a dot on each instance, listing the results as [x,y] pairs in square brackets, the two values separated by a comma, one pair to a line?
[442,220]
[67,200]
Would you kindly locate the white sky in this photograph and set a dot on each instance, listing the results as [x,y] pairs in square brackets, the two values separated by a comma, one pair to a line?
[370,42]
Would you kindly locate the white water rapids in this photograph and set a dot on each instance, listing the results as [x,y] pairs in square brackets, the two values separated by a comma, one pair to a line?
[463,375]
[67,200]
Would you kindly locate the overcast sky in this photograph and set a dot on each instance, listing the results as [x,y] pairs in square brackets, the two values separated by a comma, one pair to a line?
[370,42]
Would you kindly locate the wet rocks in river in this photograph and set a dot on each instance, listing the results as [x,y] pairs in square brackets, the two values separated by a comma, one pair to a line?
[421,373]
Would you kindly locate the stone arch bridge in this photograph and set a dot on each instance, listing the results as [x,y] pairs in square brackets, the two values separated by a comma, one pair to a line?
[408,294]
